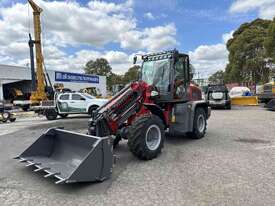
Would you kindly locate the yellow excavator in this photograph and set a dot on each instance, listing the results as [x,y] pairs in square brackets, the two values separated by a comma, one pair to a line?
[268,94]
[41,85]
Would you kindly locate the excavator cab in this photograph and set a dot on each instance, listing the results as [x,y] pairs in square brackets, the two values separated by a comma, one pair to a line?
[167,72]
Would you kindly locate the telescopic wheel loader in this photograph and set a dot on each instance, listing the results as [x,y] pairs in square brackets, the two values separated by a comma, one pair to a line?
[161,101]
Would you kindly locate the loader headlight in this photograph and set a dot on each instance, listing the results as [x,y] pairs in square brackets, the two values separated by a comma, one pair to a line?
[154,93]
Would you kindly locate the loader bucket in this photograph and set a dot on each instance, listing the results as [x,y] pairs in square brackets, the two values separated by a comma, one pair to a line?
[70,157]
[245,101]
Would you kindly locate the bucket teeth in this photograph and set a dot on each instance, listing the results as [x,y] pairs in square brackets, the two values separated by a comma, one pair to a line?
[30,164]
[23,160]
[41,168]
[52,174]
[60,181]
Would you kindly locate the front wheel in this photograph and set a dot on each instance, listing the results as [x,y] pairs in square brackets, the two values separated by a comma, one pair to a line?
[146,137]
[199,124]
[51,114]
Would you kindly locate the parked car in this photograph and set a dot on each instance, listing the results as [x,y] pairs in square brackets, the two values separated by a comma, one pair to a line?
[70,103]
[218,97]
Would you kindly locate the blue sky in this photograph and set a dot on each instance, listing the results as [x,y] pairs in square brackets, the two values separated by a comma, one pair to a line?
[118,29]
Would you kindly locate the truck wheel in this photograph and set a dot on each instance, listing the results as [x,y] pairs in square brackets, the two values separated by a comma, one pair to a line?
[228,107]
[63,115]
[146,137]
[25,108]
[91,109]
[116,141]
[5,116]
[51,114]
[12,119]
[199,125]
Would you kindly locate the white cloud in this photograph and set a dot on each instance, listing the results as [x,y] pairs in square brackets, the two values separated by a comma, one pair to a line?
[67,24]
[119,61]
[265,8]
[227,36]
[208,59]
[152,39]
[149,16]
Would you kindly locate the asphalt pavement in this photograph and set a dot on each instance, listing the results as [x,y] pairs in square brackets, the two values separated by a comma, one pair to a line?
[233,165]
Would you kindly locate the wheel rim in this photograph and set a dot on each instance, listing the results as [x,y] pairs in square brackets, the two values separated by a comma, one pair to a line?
[5,115]
[153,137]
[201,123]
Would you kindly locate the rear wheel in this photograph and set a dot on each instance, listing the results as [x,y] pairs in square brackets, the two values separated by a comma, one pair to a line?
[26,108]
[63,115]
[146,137]
[51,114]
[199,124]
[12,119]
[116,141]
[92,108]
[5,116]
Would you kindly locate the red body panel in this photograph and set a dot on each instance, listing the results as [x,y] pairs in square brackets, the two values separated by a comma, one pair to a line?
[138,96]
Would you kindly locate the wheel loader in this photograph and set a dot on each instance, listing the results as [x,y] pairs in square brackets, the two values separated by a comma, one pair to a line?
[162,101]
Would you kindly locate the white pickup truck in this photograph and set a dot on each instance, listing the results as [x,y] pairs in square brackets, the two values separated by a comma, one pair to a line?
[70,103]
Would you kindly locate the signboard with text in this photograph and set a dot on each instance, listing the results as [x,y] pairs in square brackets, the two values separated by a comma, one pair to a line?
[74,77]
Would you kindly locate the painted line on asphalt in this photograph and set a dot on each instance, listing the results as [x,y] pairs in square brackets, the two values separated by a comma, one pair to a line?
[265,147]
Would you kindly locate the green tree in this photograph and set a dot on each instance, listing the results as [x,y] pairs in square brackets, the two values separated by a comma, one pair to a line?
[132,74]
[270,41]
[217,77]
[115,79]
[247,56]
[100,67]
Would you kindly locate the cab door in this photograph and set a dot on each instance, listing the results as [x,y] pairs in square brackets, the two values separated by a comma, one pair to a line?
[63,103]
[78,103]
[181,78]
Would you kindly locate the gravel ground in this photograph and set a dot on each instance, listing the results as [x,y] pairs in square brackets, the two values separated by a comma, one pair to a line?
[233,165]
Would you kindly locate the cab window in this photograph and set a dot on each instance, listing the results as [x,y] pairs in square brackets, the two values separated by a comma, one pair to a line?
[64,97]
[77,97]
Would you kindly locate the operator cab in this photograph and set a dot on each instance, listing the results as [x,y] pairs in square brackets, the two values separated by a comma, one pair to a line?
[169,75]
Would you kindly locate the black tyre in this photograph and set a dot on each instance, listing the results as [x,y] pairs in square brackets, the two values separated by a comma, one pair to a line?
[5,116]
[116,141]
[91,109]
[12,119]
[63,115]
[146,137]
[199,124]
[25,108]
[51,114]
[228,106]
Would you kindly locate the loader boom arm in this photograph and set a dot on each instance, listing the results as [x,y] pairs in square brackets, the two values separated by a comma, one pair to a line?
[111,116]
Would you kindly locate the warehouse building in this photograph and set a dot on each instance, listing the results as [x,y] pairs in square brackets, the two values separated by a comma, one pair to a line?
[15,78]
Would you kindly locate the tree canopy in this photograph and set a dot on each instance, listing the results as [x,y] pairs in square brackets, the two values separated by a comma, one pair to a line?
[102,67]
[131,75]
[270,41]
[247,56]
